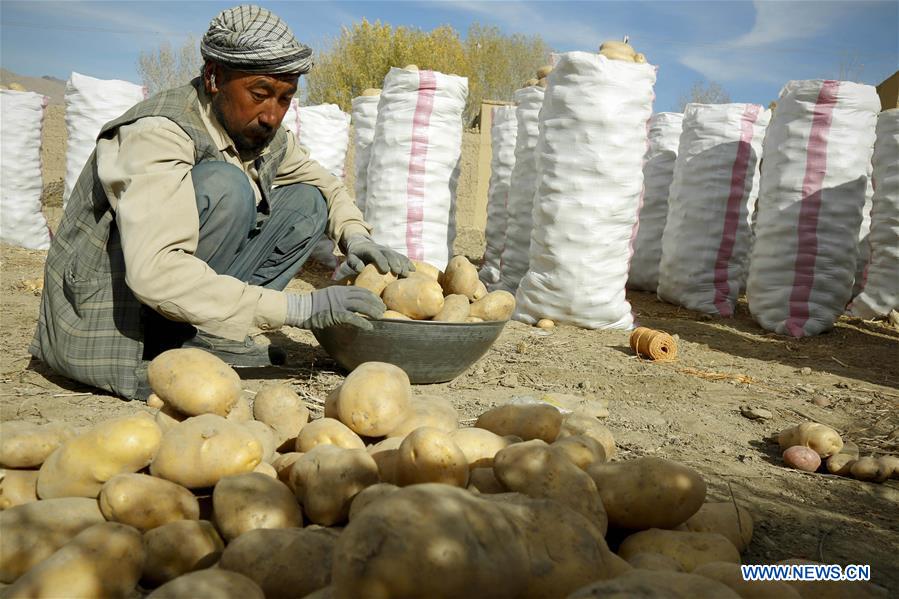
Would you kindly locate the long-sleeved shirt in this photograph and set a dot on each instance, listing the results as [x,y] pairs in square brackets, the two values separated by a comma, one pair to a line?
[145,170]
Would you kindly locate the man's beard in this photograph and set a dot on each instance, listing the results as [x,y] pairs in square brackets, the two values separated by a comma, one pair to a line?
[246,146]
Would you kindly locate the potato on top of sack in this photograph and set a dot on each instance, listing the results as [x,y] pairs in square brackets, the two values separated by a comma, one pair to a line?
[384,495]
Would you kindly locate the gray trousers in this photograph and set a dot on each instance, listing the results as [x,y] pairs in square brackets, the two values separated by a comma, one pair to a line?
[239,239]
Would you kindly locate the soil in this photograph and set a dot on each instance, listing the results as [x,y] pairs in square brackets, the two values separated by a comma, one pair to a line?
[688,410]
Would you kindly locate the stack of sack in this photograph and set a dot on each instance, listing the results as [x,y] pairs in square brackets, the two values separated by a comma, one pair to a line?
[707,235]
[414,163]
[658,171]
[592,141]
[522,185]
[503,135]
[880,292]
[21,119]
[90,104]
[817,150]
[324,130]
[364,117]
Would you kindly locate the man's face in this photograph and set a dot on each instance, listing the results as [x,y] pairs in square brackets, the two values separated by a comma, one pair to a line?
[250,106]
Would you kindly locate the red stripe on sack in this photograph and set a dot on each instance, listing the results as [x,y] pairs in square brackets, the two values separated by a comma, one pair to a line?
[810,208]
[415,184]
[732,212]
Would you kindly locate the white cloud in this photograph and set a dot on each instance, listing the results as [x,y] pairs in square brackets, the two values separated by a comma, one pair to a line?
[768,52]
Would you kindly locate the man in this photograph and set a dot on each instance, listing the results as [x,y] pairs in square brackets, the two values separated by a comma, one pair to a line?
[192,215]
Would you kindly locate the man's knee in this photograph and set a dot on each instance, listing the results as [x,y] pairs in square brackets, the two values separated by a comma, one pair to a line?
[223,193]
[307,202]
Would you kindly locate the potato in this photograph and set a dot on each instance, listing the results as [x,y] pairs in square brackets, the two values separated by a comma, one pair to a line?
[484,481]
[654,561]
[582,450]
[647,584]
[455,309]
[722,517]
[285,563]
[17,487]
[581,423]
[104,560]
[194,381]
[690,549]
[730,574]
[428,270]
[82,464]
[327,478]
[266,469]
[428,455]
[544,71]
[249,501]
[331,400]
[267,436]
[460,277]
[416,297]
[33,531]
[802,458]
[440,541]
[496,305]
[221,584]
[479,445]
[427,411]
[327,431]
[283,463]
[374,398]
[370,278]
[545,323]
[474,319]
[480,291]
[241,411]
[394,315]
[648,492]
[385,454]
[27,445]
[528,421]
[823,439]
[369,495]
[869,469]
[281,408]
[179,547]
[539,471]
[146,502]
[890,465]
[201,450]
[841,464]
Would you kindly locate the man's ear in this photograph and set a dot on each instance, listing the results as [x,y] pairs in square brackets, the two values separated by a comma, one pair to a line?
[209,79]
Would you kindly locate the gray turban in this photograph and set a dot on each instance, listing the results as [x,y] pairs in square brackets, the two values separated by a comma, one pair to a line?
[252,39]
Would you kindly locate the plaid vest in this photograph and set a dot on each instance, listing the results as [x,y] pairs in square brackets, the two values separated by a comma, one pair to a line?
[90,327]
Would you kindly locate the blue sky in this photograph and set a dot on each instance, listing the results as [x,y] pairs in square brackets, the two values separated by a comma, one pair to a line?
[750,48]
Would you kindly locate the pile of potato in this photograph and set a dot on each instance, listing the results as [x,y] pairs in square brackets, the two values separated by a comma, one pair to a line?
[384,496]
[808,445]
[621,51]
[428,293]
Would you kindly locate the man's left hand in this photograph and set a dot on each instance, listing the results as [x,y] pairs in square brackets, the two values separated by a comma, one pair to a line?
[362,250]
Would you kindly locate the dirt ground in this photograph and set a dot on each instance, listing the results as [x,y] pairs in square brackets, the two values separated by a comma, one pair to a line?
[689,410]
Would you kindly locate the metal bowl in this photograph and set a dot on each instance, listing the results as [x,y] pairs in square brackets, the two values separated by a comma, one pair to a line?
[429,352]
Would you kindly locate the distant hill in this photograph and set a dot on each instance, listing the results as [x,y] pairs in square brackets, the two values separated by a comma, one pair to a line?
[51,87]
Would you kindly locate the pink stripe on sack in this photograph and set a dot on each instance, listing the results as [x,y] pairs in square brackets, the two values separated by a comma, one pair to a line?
[415,184]
[732,213]
[810,207]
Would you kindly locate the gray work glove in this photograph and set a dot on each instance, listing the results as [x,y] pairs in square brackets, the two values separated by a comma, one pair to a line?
[362,250]
[332,306]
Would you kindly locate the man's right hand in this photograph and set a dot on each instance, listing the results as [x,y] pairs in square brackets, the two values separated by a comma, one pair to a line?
[333,306]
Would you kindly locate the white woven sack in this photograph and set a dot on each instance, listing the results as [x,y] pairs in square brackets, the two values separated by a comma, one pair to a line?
[880,293]
[324,130]
[707,234]
[658,171]
[503,134]
[90,104]
[515,256]
[365,115]
[590,180]
[864,244]
[817,151]
[414,164]
[21,221]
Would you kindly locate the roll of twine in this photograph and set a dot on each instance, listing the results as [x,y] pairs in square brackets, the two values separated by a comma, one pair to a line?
[658,346]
